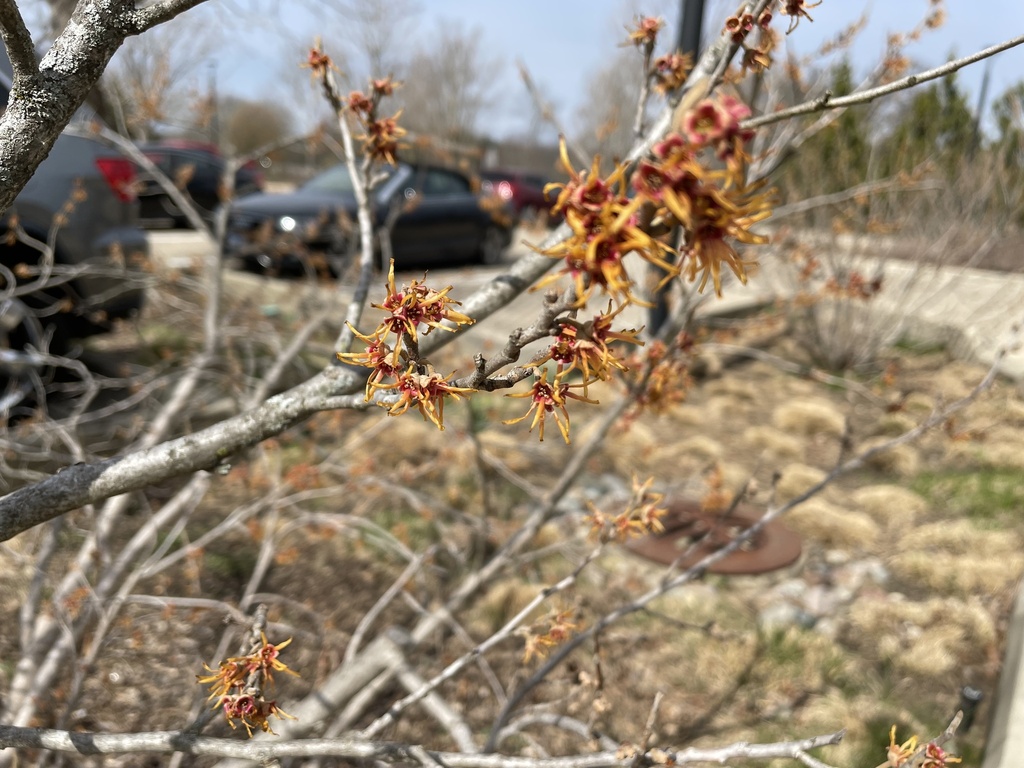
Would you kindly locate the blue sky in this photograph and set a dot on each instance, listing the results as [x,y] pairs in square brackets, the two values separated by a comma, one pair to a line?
[562,40]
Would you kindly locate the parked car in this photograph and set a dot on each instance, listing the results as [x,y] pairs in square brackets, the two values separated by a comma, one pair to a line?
[199,169]
[88,189]
[433,214]
[524,192]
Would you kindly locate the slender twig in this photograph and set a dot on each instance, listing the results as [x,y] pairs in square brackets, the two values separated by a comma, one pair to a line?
[382,722]
[674,581]
[863,97]
[411,570]
[547,113]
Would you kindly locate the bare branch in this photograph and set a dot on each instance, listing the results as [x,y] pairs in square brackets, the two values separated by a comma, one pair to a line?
[863,97]
[152,15]
[18,41]
[162,742]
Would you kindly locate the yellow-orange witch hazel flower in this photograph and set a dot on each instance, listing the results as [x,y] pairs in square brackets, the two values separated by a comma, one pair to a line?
[549,398]
[586,347]
[714,208]
[708,244]
[605,229]
[377,355]
[239,683]
[415,305]
[427,391]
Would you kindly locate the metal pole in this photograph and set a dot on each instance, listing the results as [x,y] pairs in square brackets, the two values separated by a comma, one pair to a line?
[690,25]
[691,22]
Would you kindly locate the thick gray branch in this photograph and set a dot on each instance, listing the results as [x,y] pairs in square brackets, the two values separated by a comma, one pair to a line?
[88,483]
[158,13]
[18,41]
[353,749]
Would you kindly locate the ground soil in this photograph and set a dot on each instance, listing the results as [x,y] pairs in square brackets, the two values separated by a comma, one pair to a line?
[941,519]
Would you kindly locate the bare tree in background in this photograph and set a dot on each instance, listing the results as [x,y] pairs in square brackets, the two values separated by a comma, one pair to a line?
[250,125]
[447,91]
[605,119]
[160,81]
[375,36]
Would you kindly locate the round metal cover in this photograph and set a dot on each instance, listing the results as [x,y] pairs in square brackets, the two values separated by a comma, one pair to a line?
[774,547]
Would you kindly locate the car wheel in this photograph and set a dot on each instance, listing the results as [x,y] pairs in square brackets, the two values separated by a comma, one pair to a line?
[492,246]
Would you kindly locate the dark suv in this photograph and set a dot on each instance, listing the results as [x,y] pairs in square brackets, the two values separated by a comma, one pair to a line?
[434,215]
[83,196]
[198,168]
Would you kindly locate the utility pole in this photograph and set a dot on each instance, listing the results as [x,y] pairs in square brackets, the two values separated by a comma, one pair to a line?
[691,22]
[214,104]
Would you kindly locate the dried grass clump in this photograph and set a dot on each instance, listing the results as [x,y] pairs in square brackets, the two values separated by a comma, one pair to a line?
[925,639]
[893,425]
[902,460]
[956,557]
[955,380]
[820,714]
[892,507]
[733,387]
[810,417]
[687,415]
[919,404]
[796,479]
[723,408]
[971,575]
[701,447]
[833,526]
[777,445]
[961,537]
[632,450]
[406,440]
[1000,448]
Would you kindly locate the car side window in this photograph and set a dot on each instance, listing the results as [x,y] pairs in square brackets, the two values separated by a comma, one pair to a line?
[438,183]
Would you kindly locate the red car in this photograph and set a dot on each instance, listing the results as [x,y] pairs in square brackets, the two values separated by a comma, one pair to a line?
[523,191]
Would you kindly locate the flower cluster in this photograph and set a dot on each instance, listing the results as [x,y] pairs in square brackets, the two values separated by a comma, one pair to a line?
[239,682]
[548,633]
[411,310]
[605,230]
[740,26]
[381,140]
[640,516]
[585,348]
[669,377]
[908,754]
[644,33]
[549,398]
[670,71]
[713,207]
[796,9]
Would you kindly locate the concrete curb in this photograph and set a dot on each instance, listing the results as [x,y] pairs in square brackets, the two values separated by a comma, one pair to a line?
[1005,744]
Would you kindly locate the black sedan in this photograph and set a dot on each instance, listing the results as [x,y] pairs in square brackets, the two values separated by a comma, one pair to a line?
[423,215]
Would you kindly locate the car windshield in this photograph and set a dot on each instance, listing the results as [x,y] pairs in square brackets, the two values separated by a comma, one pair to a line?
[336,181]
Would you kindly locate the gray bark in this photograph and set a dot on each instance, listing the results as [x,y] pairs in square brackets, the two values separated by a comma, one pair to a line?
[44,97]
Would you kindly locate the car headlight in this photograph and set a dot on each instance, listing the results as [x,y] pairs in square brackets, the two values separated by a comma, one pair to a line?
[287,223]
